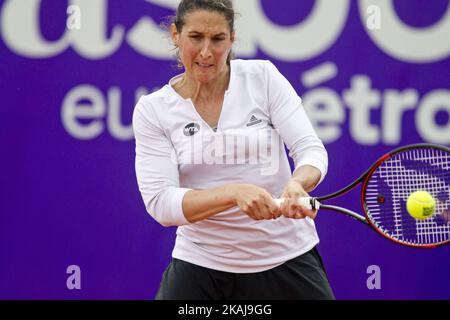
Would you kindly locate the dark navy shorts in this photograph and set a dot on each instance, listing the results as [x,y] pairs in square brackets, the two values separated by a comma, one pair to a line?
[303,277]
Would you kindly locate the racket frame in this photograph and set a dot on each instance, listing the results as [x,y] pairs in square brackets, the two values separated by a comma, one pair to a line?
[364,179]
[369,173]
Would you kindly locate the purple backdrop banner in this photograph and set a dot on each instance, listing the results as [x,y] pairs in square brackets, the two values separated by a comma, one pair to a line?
[374,75]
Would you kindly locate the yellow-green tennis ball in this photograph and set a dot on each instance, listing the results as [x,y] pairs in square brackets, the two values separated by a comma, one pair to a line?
[420,205]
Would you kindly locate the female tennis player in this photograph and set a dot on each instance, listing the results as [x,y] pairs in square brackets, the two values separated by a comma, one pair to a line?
[210,159]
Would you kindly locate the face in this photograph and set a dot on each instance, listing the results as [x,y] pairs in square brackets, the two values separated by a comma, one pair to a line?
[204,44]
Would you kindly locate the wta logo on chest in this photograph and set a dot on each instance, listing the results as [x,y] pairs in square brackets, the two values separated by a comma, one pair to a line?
[191,129]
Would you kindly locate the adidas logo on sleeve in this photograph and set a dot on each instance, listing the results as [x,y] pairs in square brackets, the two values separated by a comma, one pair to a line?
[253,121]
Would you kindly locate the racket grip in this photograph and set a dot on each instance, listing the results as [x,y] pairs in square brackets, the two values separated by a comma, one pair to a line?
[308,202]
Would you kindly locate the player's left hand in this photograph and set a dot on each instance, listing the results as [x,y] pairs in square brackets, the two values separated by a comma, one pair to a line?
[290,207]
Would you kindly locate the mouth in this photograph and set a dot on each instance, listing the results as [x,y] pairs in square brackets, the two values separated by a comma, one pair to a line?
[204,65]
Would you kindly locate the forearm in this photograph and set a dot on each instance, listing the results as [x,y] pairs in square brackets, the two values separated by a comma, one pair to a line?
[202,204]
[307,176]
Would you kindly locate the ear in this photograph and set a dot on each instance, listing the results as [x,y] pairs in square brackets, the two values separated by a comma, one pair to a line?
[174,34]
[233,36]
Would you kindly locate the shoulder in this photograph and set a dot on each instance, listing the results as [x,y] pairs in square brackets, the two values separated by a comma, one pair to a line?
[147,107]
[261,71]
[158,101]
[251,66]
[159,97]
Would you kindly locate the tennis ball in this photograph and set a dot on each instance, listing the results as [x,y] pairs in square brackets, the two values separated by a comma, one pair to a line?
[420,205]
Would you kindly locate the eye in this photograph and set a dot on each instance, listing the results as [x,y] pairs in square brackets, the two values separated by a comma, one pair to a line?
[218,39]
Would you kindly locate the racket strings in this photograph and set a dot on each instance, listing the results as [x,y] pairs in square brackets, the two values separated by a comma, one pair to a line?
[390,185]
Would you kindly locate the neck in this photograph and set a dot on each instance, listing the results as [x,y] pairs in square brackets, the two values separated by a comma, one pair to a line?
[195,90]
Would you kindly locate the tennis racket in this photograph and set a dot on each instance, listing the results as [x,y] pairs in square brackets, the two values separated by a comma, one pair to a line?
[386,186]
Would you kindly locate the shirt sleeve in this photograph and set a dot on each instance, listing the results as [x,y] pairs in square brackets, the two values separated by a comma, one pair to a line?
[289,118]
[156,169]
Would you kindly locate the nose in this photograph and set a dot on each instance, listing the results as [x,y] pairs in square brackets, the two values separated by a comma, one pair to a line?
[205,52]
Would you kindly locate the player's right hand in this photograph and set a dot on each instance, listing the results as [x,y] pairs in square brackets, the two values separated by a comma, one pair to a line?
[256,202]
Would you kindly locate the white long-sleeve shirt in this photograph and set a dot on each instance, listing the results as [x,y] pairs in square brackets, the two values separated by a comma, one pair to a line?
[177,151]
